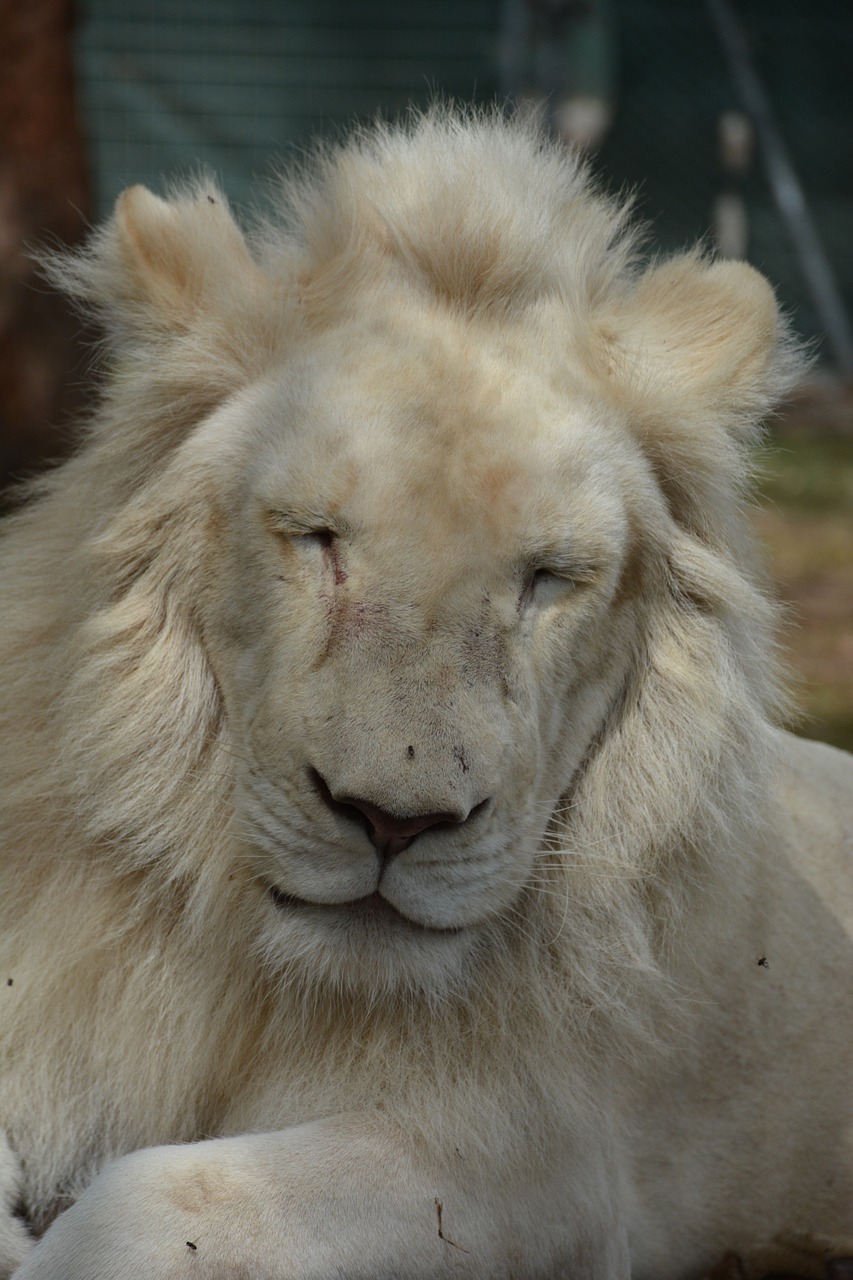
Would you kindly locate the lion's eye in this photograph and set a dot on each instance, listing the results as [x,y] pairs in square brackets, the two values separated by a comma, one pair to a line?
[543,576]
[545,583]
[320,537]
[308,542]
[299,531]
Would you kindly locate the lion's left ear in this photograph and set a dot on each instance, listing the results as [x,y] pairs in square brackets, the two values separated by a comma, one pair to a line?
[706,338]
[699,353]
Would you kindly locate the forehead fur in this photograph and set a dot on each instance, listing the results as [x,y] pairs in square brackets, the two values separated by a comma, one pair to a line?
[415,424]
[480,211]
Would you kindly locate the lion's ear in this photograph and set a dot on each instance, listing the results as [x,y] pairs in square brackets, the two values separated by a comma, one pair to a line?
[188,316]
[161,266]
[706,336]
[699,353]
[179,255]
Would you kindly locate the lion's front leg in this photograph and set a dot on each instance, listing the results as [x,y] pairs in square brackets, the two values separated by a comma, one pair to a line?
[348,1197]
[15,1240]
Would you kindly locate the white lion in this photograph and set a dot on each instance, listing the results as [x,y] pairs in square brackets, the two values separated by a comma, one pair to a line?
[402,874]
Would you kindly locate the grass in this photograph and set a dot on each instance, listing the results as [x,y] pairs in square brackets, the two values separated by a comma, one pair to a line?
[805,518]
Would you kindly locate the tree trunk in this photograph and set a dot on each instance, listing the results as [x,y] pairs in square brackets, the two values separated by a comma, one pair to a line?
[44,199]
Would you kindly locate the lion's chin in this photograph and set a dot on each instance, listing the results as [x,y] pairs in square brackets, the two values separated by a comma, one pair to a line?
[366,947]
[373,911]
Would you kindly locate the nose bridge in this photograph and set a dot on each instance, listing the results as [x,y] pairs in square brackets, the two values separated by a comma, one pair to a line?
[399,658]
[408,752]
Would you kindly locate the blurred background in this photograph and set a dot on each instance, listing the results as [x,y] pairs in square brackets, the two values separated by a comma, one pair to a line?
[729,119]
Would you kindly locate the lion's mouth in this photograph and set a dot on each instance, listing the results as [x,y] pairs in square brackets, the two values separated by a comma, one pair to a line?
[372,909]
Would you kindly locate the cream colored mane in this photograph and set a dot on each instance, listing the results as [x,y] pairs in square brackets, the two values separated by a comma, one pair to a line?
[118,761]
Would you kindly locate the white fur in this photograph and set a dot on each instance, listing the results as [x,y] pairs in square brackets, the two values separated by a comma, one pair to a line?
[547,1046]
[15,1242]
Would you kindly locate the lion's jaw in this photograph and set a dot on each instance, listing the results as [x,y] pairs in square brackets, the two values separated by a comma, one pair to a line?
[417,638]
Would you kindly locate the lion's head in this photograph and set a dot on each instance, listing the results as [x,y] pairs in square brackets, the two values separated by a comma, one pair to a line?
[416,586]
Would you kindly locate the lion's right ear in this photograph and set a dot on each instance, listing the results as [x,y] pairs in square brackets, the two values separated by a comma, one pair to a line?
[187,314]
[162,266]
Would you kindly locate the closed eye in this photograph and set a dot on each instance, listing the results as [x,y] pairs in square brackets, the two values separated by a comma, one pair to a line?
[544,583]
[298,529]
[541,576]
[556,578]
[321,537]
[308,542]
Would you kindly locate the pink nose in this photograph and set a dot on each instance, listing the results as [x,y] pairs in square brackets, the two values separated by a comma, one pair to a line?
[388,834]
[392,835]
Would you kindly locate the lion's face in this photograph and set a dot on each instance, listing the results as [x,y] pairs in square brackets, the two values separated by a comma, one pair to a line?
[414,523]
[425,618]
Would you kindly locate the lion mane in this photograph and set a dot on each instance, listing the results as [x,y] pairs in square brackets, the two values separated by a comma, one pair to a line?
[162,986]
